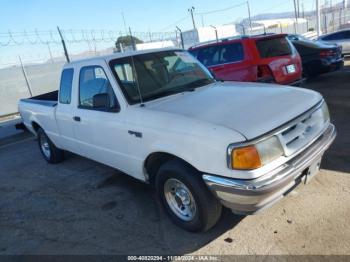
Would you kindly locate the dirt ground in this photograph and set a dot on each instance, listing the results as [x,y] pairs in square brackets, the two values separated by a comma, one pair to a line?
[82,207]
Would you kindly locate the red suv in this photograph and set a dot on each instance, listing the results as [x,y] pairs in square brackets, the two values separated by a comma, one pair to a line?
[263,58]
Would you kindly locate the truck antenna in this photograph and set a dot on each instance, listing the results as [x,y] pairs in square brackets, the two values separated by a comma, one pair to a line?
[137,81]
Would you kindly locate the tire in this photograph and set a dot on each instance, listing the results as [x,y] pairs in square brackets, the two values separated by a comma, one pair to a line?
[173,182]
[50,152]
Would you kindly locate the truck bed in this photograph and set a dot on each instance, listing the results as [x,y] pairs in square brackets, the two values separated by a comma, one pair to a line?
[47,99]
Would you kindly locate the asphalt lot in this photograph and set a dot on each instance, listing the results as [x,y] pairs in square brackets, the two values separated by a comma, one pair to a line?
[82,207]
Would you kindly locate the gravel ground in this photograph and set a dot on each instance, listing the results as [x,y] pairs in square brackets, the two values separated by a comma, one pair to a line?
[82,207]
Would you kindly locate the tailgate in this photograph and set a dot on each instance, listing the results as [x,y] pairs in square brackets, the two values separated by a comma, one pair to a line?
[281,57]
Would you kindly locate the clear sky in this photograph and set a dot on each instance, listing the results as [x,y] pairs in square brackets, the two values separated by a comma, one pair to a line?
[141,16]
[153,15]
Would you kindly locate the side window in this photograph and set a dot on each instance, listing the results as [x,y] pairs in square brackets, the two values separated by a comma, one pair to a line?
[231,53]
[209,55]
[347,34]
[66,86]
[95,90]
[335,36]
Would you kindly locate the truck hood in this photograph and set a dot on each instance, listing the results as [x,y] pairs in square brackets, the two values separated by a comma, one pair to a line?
[251,109]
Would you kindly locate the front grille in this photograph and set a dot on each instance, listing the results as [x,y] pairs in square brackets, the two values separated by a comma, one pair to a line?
[299,134]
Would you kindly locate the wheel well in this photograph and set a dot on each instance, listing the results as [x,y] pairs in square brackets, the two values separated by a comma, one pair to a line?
[35,126]
[155,160]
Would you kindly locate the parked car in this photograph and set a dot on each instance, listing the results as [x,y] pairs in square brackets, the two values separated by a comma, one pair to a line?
[263,58]
[160,117]
[317,57]
[341,38]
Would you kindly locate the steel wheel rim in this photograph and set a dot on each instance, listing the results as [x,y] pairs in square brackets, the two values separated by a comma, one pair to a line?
[44,144]
[180,199]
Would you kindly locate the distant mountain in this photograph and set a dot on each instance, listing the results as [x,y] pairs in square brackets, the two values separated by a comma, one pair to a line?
[268,16]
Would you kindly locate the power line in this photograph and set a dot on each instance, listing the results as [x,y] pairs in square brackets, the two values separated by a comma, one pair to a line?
[221,10]
[175,23]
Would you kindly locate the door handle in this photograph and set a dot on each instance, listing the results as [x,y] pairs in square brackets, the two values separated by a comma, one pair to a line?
[76,118]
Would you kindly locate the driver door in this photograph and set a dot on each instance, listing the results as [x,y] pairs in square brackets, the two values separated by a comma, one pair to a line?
[98,124]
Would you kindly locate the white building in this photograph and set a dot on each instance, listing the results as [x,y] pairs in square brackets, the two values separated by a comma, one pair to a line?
[154,45]
[207,33]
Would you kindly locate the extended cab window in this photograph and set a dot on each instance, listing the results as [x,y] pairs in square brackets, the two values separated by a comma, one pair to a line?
[66,86]
[231,53]
[94,86]
[272,47]
[338,36]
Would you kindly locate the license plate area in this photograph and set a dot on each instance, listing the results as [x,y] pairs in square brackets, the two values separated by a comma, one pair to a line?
[291,69]
[311,171]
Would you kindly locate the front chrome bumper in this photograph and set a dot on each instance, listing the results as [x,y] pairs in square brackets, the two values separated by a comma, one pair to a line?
[250,196]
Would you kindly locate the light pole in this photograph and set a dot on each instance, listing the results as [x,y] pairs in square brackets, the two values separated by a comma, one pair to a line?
[250,20]
[296,17]
[191,12]
[216,33]
[181,37]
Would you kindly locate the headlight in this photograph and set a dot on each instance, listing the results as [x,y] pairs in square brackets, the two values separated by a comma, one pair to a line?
[325,112]
[255,156]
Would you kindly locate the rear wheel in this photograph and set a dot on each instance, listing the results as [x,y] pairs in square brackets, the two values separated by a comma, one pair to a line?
[186,198]
[50,152]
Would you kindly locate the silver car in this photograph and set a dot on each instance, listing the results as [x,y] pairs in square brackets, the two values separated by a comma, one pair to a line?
[341,38]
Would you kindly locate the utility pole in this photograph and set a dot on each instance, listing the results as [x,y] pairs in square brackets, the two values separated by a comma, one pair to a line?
[191,12]
[25,77]
[181,37]
[250,20]
[64,45]
[318,19]
[296,17]
[302,10]
[298,9]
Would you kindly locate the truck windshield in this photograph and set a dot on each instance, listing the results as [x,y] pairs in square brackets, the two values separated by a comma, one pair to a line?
[158,74]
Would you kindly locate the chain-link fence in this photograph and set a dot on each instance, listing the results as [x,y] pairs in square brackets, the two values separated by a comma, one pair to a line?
[36,68]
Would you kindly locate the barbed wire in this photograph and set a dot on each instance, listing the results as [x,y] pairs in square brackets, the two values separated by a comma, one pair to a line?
[71,36]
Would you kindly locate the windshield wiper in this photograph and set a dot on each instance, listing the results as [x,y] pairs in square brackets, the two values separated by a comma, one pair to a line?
[199,83]
[168,93]
[190,87]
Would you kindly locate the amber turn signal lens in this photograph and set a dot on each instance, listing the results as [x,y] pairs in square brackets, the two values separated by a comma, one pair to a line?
[245,158]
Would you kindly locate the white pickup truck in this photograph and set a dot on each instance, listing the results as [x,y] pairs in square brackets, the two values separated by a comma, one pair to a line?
[160,117]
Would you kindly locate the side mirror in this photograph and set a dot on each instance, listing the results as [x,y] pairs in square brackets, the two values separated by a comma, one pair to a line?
[101,101]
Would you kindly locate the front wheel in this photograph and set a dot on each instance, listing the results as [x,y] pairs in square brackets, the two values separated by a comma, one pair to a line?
[50,152]
[186,198]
